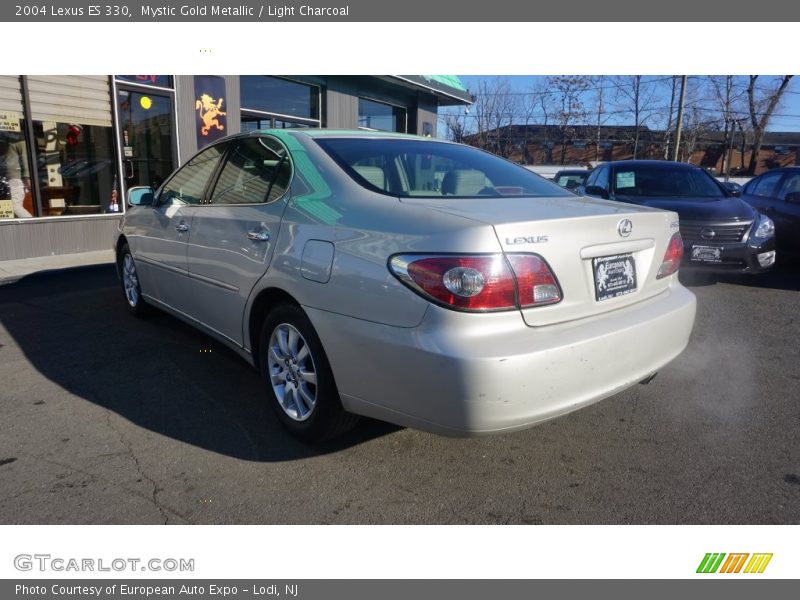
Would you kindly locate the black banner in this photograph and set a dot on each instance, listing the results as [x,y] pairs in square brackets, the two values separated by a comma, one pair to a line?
[415,589]
[407,11]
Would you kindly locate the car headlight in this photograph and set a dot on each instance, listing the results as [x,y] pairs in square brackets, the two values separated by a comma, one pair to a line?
[765,228]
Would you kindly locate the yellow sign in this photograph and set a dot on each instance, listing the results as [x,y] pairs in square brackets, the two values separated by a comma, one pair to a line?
[146,102]
[6,209]
[9,121]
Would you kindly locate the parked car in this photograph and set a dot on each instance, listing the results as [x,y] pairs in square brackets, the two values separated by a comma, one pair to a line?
[720,231]
[776,194]
[571,179]
[420,282]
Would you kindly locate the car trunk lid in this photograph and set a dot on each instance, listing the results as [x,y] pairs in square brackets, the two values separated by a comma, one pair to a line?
[600,265]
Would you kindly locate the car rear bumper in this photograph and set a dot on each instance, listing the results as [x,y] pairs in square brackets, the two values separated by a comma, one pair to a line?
[737,257]
[468,374]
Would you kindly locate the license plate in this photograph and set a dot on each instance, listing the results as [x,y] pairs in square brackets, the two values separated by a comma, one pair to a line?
[614,276]
[706,254]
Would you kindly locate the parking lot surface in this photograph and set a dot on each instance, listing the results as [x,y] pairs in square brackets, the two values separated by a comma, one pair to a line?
[108,419]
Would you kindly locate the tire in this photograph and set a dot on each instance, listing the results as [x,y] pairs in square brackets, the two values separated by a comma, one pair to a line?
[298,377]
[131,289]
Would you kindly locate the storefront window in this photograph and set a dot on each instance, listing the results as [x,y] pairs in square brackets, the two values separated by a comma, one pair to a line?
[280,96]
[75,168]
[159,80]
[383,117]
[254,123]
[16,200]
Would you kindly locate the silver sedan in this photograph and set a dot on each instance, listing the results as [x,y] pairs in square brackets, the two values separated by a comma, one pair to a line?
[420,282]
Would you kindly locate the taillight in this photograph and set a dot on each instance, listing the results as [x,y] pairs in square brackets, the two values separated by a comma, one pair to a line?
[486,282]
[672,257]
[535,281]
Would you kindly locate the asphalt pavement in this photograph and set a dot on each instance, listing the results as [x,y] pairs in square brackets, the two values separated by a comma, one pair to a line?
[105,418]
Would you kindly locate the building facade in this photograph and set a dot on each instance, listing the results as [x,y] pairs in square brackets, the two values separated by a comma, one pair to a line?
[70,146]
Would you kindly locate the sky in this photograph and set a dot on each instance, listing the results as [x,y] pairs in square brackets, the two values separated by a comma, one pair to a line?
[785,118]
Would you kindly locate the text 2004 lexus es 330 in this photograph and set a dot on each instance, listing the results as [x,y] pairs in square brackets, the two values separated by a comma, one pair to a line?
[420,282]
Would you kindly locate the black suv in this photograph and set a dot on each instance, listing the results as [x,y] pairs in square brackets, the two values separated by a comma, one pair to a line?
[720,231]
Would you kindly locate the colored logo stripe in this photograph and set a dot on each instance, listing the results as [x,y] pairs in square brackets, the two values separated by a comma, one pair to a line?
[710,563]
[733,564]
[758,563]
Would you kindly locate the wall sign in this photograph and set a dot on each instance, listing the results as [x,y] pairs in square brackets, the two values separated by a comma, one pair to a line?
[9,121]
[210,115]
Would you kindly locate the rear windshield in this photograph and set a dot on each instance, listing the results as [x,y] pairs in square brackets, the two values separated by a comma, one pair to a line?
[431,169]
[652,181]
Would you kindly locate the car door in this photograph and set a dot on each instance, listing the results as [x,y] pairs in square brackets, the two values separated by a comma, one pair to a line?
[161,233]
[785,212]
[234,232]
[761,192]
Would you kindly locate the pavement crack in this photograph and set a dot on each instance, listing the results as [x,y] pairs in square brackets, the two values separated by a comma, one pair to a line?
[154,495]
[104,480]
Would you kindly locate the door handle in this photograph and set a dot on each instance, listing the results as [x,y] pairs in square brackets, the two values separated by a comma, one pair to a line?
[258,236]
[128,164]
[182,227]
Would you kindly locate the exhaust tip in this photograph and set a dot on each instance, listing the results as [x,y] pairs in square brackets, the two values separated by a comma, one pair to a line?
[648,379]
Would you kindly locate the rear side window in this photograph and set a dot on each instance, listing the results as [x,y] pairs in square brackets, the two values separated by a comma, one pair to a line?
[188,184]
[257,170]
[406,168]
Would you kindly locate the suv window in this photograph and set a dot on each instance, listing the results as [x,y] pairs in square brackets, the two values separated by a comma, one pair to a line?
[257,170]
[410,167]
[188,184]
[790,185]
[765,185]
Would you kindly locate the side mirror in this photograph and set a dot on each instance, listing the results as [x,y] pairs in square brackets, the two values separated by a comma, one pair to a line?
[734,189]
[792,197]
[140,196]
[596,190]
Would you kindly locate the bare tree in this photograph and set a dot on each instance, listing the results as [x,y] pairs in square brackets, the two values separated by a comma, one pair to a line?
[494,111]
[761,103]
[635,95]
[728,92]
[599,110]
[456,125]
[673,84]
[569,91]
[528,106]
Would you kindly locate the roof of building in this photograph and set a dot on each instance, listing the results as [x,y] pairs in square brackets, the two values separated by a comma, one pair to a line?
[447,88]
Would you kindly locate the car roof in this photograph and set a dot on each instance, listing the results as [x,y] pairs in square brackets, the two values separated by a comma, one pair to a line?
[337,133]
[662,164]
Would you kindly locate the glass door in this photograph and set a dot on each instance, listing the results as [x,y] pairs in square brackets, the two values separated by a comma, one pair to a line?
[146,135]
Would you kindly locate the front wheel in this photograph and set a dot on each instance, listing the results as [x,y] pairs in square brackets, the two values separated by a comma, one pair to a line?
[299,380]
[131,289]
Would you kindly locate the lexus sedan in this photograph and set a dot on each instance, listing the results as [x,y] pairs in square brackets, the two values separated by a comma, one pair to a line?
[721,233]
[420,282]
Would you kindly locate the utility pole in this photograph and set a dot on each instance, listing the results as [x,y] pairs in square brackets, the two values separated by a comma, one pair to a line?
[679,124]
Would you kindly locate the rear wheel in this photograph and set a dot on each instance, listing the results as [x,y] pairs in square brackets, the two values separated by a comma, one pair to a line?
[131,289]
[299,380]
